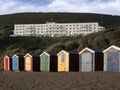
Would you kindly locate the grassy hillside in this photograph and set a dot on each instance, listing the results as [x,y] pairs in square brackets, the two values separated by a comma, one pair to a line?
[105,20]
[103,39]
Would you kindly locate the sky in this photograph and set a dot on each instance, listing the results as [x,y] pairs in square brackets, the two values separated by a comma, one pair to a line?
[111,7]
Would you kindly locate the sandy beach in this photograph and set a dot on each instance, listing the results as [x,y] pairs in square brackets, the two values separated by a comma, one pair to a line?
[59,81]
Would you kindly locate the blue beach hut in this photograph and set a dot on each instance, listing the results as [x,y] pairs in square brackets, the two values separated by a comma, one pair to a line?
[17,62]
[112,59]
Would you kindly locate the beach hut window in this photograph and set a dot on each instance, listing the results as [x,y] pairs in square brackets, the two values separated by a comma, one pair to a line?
[63,58]
[113,61]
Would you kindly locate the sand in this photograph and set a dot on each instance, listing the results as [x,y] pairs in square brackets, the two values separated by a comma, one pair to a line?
[59,81]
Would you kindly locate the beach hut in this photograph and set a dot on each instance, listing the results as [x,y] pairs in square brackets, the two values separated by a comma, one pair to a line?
[68,61]
[17,62]
[32,62]
[48,61]
[90,60]
[7,63]
[112,59]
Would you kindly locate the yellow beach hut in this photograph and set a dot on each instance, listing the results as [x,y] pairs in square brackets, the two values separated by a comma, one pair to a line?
[32,62]
[68,61]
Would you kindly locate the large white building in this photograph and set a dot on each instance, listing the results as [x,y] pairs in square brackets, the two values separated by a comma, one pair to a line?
[56,29]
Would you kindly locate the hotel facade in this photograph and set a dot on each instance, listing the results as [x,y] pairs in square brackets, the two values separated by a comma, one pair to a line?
[56,29]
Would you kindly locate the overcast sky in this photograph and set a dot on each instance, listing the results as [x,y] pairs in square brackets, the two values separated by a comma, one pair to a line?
[79,6]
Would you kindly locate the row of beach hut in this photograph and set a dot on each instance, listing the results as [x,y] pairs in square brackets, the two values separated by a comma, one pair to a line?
[87,60]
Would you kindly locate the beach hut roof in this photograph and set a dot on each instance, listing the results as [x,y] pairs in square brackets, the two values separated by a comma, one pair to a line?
[112,46]
[52,53]
[31,55]
[97,49]
[49,53]
[92,50]
[18,55]
[72,51]
[69,51]
[8,56]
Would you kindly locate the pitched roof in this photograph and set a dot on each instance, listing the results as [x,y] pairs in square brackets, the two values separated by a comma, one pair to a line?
[18,55]
[49,53]
[34,55]
[97,49]
[52,53]
[9,56]
[112,46]
[69,51]
[72,51]
[31,55]
[93,50]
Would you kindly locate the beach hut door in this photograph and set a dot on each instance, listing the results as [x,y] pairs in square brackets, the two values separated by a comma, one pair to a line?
[15,63]
[113,61]
[6,64]
[62,62]
[86,64]
[28,64]
[44,63]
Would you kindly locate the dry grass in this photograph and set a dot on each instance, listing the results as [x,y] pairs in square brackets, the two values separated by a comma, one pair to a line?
[59,81]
